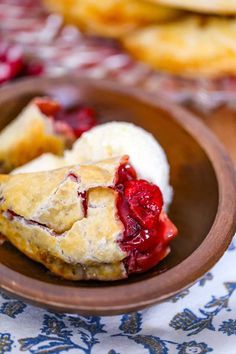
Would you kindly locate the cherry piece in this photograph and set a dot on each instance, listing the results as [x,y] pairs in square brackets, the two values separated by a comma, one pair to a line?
[145,200]
[150,259]
[126,173]
[145,240]
[166,228]
[132,227]
[80,120]
[68,123]
[48,107]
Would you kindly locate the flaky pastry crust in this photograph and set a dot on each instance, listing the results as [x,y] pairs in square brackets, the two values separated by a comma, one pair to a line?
[44,215]
[111,18]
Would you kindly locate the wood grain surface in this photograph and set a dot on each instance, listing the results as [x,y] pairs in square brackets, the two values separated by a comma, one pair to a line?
[222,121]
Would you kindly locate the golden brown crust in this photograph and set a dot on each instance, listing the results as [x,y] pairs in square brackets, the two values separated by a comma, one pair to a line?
[43,215]
[205,6]
[193,46]
[27,137]
[112,18]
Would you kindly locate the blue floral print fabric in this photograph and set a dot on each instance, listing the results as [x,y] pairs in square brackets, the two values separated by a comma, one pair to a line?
[198,320]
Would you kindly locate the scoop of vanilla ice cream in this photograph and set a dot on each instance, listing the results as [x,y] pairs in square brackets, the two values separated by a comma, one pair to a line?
[121,138]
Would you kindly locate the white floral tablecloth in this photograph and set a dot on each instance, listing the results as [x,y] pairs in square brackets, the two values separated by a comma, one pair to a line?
[199,320]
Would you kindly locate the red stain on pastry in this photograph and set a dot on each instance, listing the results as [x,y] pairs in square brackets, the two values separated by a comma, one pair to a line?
[148,230]
[73,122]
[84,198]
[82,195]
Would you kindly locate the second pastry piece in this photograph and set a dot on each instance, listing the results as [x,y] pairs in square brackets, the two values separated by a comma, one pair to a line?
[193,46]
[32,133]
[111,18]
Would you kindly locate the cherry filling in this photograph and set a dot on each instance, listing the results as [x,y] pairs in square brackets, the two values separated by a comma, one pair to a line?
[148,230]
[79,119]
[72,123]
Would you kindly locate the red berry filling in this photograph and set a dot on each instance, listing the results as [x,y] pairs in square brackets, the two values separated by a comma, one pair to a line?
[148,230]
[79,119]
[145,201]
[73,122]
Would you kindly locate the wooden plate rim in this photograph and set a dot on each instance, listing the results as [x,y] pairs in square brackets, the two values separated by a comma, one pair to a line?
[132,296]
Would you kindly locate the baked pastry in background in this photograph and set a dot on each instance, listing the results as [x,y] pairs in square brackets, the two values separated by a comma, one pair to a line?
[168,39]
[194,46]
[32,133]
[207,6]
[111,18]
[86,222]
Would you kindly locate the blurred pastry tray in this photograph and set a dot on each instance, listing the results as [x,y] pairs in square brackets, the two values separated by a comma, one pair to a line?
[62,48]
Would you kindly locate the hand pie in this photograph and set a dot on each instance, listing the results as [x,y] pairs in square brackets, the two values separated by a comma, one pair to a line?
[86,222]
[32,133]
[112,18]
[192,46]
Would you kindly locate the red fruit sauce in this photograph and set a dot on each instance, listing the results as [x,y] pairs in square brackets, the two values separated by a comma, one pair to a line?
[72,123]
[148,230]
[79,119]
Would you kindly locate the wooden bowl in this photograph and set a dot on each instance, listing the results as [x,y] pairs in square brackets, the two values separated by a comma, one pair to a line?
[204,205]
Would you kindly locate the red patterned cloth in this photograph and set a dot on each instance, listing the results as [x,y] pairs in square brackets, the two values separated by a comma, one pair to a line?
[49,47]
